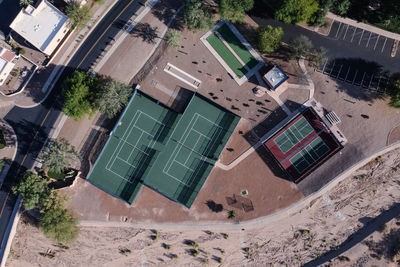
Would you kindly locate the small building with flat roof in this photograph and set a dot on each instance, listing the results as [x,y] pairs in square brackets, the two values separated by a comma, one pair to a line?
[275,77]
[6,63]
[43,25]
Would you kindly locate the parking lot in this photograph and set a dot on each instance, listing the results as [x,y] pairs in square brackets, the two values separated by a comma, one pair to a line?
[362,39]
[360,73]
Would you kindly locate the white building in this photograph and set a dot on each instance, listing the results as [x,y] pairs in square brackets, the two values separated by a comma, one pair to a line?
[44,26]
[6,63]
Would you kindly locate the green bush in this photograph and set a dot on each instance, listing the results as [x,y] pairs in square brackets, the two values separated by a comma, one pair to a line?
[173,39]
[269,38]
[234,10]
[197,16]
[296,11]
[2,141]
[394,90]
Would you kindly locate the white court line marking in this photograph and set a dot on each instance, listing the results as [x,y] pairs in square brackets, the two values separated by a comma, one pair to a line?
[191,151]
[377,39]
[122,140]
[175,153]
[383,47]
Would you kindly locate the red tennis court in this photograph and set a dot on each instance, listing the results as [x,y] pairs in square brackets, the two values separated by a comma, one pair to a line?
[303,144]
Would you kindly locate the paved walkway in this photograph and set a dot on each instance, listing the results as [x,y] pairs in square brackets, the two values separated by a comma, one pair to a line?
[133,47]
[364,26]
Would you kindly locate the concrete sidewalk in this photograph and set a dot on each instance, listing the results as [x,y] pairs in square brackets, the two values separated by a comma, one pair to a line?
[126,60]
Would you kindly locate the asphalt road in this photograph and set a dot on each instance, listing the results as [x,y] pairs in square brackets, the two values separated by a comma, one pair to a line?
[33,125]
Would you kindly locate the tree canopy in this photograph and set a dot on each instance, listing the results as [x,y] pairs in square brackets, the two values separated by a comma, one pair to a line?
[296,11]
[112,96]
[79,15]
[394,90]
[269,38]
[58,155]
[57,222]
[234,10]
[173,38]
[198,16]
[77,93]
[32,188]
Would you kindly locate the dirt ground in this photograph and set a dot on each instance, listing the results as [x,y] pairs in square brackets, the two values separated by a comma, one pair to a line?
[293,241]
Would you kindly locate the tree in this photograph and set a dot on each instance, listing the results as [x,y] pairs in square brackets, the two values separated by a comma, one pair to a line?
[76,90]
[317,57]
[296,11]
[269,38]
[300,46]
[173,38]
[32,188]
[394,90]
[234,10]
[25,3]
[57,222]
[58,155]
[197,16]
[112,97]
[341,7]
[79,15]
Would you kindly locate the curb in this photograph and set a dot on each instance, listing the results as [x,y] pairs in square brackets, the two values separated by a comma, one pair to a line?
[250,224]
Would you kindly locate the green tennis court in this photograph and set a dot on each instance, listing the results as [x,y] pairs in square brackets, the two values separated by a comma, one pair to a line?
[131,148]
[309,155]
[293,135]
[170,152]
[237,46]
[227,55]
[192,151]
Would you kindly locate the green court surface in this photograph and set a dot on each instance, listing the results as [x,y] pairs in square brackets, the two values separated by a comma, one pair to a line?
[237,46]
[190,154]
[227,55]
[170,152]
[293,135]
[131,148]
[309,155]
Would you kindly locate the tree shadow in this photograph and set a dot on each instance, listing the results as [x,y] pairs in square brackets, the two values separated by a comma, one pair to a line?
[359,78]
[146,32]
[370,225]
[214,207]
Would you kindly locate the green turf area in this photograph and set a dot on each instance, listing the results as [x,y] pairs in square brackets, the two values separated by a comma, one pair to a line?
[310,154]
[293,135]
[131,148]
[190,154]
[59,176]
[227,56]
[237,46]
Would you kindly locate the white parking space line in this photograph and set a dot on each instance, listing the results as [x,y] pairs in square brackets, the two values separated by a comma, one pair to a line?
[362,34]
[354,79]
[332,68]
[354,33]
[383,47]
[340,25]
[377,39]
[346,31]
[372,77]
[369,38]
[347,74]
[340,70]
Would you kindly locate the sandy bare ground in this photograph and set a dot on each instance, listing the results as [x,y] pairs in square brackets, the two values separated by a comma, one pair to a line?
[304,236]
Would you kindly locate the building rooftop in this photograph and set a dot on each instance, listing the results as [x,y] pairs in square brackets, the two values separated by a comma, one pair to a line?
[275,77]
[39,24]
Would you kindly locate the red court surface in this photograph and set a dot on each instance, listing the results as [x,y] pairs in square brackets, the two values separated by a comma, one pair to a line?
[303,144]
